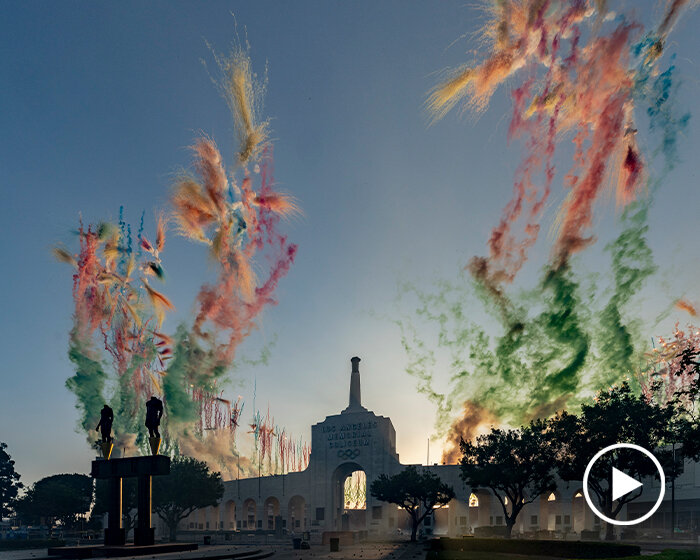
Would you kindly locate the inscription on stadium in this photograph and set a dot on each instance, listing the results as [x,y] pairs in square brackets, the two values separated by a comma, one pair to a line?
[356,434]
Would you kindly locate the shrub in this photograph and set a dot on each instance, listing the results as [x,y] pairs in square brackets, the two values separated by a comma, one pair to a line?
[490,531]
[557,549]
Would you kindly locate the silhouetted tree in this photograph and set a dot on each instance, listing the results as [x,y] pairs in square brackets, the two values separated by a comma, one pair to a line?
[689,432]
[26,510]
[616,415]
[61,497]
[516,465]
[419,493]
[189,486]
[9,482]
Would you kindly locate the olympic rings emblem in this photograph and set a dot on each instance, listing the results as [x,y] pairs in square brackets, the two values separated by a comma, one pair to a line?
[348,453]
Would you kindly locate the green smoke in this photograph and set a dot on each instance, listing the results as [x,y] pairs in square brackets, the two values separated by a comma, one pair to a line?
[621,346]
[87,383]
[555,346]
[181,371]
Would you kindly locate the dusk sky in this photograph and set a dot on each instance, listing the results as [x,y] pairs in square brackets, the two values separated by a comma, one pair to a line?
[100,101]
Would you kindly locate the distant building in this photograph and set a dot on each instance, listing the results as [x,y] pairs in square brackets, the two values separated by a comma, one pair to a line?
[358,441]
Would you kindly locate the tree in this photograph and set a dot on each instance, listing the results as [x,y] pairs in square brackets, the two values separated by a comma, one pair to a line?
[417,492]
[61,497]
[9,482]
[686,398]
[673,376]
[26,510]
[189,486]
[516,465]
[616,415]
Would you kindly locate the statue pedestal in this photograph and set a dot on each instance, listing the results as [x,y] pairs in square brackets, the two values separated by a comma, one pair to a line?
[144,536]
[154,442]
[106,449]
[144,468]
[115,536]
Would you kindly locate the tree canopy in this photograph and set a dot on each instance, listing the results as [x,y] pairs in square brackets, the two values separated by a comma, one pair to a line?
[189,486]
[516,465]
[616,415]
[419,493]
[9,481]
[61,497]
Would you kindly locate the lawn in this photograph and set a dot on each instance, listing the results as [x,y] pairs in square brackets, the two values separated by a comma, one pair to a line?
[479,555]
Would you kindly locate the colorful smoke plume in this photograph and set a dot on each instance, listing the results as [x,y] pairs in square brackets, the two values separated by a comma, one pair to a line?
[580,73]
[673,369]
[117,346]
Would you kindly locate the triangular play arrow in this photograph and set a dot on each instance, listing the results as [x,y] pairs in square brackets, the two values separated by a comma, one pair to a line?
[622,484]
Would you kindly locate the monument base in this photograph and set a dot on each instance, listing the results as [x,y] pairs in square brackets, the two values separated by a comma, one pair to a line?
[115,537]
[154,442]
[106,449]
[144,537]
[74,552]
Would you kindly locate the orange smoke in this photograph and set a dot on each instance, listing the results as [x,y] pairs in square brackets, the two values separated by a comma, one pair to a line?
[475,420]
[685,305]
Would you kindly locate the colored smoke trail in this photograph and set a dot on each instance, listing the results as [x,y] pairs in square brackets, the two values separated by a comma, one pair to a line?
[581,74]
[276,450]
[119,314]
[244,93]
[562,340]
[687,306]
[475,420]
[672,369]
[117,317]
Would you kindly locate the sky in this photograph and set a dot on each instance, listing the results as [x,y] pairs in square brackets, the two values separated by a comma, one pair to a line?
[100,102]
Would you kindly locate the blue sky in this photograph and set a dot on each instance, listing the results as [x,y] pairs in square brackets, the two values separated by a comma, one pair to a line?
[100,102]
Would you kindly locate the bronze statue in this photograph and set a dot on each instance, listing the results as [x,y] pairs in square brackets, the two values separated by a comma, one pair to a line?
[154,412]
[106,419]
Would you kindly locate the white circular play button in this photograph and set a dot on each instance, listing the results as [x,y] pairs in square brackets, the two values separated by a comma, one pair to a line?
[623,484]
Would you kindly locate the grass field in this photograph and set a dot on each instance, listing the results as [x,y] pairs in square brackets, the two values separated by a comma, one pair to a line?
[476,555]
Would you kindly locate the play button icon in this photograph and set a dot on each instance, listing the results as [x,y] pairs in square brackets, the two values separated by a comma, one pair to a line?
[623,484]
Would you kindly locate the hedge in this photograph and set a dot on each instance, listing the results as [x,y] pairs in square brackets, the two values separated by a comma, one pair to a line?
[22,544]
[557,549]
[491,531]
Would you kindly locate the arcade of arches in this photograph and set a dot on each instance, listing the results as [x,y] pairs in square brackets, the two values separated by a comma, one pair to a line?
[348,451]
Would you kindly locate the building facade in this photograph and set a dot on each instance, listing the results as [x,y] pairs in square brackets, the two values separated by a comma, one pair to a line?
[359,441]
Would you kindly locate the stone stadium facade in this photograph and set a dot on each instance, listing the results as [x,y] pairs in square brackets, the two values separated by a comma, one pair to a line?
[357,439]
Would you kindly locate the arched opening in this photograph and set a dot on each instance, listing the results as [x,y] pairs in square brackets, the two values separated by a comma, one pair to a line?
[582,517]
[271,510]
[249,515]
[450,519]
[213,523]
[459,517]
[578,512]
[296,515]
[230,516]
[355,491]
[189,521]
[550,518]
[480,513]
[349,497]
